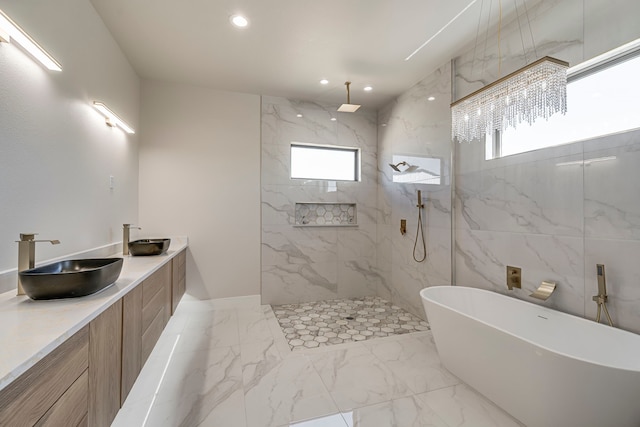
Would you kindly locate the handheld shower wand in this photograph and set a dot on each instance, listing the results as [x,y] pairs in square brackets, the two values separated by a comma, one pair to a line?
[420,232]
[601,298]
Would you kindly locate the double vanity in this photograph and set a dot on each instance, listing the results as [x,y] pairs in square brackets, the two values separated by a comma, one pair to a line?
[73,361]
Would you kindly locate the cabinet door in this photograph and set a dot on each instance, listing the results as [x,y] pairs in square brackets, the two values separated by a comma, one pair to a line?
[105,364]
[178,267]
[32,394]
[131,340]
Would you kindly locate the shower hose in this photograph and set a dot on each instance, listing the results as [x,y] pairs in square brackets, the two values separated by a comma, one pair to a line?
[420,234]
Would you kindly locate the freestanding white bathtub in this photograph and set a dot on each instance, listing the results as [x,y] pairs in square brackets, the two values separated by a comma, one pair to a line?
[544,367]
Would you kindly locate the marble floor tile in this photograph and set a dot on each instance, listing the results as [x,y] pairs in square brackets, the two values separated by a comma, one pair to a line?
[217,328]
[415,360]
[461,406]
[285,392]
[227,364]
[333,420]
[355,377]
[405,412]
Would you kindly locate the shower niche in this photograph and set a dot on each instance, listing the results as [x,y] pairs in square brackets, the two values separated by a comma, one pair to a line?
[326,215]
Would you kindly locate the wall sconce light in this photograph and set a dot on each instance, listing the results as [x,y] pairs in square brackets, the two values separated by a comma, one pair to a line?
[112,118]
[10,31]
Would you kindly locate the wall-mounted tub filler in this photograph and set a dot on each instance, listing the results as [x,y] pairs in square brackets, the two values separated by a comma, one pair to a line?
[125,237]
[544,291]
[601,298]
[27,254]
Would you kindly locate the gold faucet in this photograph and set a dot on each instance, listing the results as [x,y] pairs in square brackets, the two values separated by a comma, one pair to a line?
[125,237]
[27,254]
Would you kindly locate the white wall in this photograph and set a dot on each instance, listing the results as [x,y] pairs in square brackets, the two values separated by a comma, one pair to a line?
[200,177]
[56,153]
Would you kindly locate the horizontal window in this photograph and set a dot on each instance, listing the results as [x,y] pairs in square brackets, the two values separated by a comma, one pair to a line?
[331,163]
[599,103]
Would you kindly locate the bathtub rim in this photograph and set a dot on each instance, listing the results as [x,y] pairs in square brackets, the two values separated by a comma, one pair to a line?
[592,323]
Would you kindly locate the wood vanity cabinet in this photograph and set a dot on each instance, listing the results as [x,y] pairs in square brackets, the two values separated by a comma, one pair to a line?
[146,311]
[77,384]
[179,270]
[54,391]
[85,380]
[131,340]
[105,366]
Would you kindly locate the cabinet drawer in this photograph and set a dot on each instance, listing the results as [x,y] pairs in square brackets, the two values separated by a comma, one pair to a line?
[150,287]
[151,335]
[150,311]
[154,283]
[29,397]
[72,406]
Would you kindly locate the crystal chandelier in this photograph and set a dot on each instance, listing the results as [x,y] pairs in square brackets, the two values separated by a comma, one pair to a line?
[536,90]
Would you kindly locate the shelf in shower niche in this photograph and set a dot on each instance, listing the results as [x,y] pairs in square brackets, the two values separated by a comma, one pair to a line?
[326,215]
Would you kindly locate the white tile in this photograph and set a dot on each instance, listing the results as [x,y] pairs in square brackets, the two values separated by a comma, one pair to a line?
[415,360]
[622,272]
[292,283]
[216,328]
[356,378]
[404,412]
[612,208]
[333,420]
[461,406]
[285,392]
[482,257]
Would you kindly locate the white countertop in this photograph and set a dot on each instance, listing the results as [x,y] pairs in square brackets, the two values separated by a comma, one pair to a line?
[29,330]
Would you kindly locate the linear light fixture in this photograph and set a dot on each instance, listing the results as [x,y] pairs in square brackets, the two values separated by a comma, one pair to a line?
[10,31]
[112,119]
[440,30]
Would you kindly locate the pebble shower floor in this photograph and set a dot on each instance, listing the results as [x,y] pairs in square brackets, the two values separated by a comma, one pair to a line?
[322,323]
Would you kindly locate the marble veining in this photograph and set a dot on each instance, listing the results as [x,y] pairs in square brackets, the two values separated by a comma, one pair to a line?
[392,381]
[300,264]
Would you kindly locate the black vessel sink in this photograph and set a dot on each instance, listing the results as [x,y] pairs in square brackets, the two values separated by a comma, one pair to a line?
[70,278]
[146,247]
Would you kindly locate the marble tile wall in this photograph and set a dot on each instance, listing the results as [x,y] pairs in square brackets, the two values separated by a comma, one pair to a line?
[303,264]
[555,222]
[413,126]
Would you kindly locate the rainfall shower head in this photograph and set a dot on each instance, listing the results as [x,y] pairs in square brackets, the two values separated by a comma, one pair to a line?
[348,107]
[396,167]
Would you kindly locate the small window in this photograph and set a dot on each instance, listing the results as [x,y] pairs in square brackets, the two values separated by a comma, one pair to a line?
[326,162]
[600,102]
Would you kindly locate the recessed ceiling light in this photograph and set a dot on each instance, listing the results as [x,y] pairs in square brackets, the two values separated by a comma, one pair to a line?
[368,88]
[298,115]
[239,21]
[324,82]
[431,98]
[333,119]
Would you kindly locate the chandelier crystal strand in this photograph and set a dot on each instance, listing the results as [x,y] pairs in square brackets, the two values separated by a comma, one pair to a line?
[536,90]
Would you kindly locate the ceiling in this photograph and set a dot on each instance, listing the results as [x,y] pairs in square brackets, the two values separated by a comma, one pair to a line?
[290,45]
